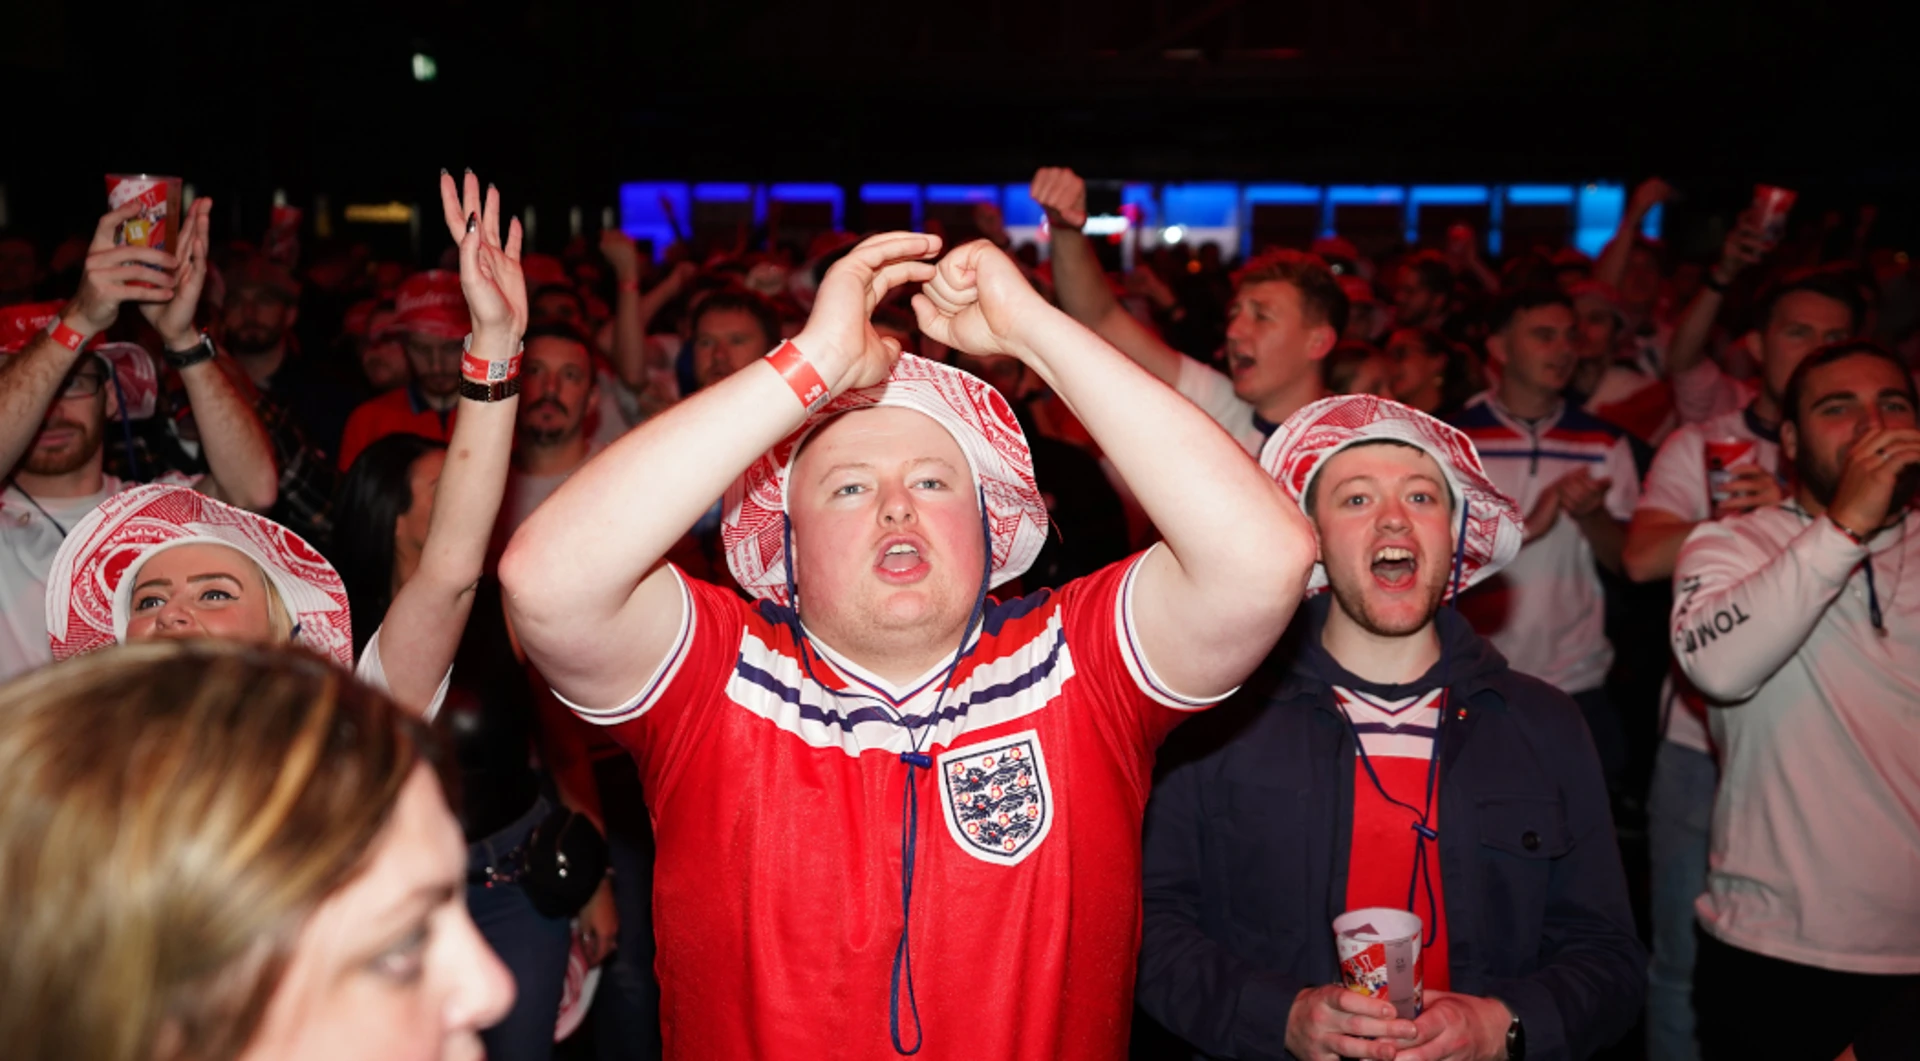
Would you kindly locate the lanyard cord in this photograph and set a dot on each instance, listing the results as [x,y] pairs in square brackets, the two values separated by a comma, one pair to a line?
[1423,832]
[916,760]
[39,508]
[1423,829]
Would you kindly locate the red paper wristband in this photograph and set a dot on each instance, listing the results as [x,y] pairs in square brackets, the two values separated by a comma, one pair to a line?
[480,370]
[800,375]
[629,285]
[66,336]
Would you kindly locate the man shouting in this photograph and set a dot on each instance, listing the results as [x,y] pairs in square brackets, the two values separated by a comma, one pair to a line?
[894,814]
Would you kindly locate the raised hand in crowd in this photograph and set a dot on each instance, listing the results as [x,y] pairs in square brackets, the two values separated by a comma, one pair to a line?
[119,273]
[1611,266]
[422,627]
[1063,194]
[174,318]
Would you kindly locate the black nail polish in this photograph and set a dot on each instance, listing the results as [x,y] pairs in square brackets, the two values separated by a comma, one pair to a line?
[444,173]
[472,220]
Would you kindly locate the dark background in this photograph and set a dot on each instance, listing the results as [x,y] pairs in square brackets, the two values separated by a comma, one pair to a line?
[560,101]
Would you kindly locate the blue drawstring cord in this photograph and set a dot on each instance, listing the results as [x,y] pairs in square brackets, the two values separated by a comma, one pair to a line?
[1423,832]
[915,760]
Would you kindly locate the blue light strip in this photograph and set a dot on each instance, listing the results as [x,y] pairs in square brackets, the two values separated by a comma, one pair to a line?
[1540,195]
[813,193]
[963,193]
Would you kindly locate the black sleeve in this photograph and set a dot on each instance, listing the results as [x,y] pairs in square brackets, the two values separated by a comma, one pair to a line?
[1194,986]
[1592,982]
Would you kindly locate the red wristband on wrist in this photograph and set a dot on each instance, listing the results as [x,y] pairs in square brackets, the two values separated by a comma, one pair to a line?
[66,336]
[630,285]
[800,375]
[480,370]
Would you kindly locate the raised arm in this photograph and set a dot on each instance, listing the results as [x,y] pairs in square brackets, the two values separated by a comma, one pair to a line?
[1613,258]
[1081,285]
[1743,247]
[585,589]
[429,614]
[1211,604]
[30,380]
[634,310]
[240,463]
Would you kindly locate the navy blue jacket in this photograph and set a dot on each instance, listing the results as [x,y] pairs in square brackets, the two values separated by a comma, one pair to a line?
[1249,831]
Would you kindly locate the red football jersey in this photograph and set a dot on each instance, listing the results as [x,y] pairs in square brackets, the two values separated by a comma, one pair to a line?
[778,811]
[1398,737]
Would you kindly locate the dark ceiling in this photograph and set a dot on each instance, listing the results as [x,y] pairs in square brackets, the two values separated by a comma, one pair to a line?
[559,101]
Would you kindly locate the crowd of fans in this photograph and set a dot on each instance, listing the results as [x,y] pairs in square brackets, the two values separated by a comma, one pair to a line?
[1672,507]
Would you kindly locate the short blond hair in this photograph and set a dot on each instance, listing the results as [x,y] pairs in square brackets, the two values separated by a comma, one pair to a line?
[175,812]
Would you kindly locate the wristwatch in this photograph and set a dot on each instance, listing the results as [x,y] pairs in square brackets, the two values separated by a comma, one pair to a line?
[202,350]
[496,391]
[1516,1040]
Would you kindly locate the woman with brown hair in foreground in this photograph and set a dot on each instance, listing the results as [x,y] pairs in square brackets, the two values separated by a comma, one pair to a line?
[219,851]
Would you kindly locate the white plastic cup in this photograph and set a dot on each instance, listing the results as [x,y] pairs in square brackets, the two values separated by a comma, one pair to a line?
[1379,951]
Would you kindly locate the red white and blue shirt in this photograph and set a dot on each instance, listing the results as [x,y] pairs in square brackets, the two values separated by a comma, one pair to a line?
[1546,611]
[1397,737]
[778,816]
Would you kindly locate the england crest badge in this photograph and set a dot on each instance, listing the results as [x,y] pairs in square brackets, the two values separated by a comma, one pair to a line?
[998,803]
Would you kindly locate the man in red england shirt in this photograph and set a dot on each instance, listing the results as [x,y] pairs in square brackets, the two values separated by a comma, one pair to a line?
[892,813]
[1389,758]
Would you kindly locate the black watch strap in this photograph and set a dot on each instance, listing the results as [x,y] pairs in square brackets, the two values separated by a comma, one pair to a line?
[192,355]
[1516,1040]
[499,390]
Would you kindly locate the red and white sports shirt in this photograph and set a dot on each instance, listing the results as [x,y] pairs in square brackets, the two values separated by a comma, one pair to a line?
[778,807]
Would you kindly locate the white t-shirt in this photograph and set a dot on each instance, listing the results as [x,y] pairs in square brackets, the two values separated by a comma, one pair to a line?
[370,670]
[28,542]
[1677,484]
[524,493]
[1212,391]
[1815,854]
[1546,611]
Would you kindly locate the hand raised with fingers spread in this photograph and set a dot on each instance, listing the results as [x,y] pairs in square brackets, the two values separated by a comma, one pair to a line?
[977,301]
[839,339]
[174,319]
[116,274]
[490,274]
[1064,195]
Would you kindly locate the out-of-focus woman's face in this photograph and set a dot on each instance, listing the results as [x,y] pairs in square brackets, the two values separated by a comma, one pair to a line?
[391,968]
[410,531]
[200,590]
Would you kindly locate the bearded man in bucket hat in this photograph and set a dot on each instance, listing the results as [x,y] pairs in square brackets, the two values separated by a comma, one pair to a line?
[894,814]
[1388,757]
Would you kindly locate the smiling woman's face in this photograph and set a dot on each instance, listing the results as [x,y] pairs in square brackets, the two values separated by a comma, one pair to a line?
[201,590]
